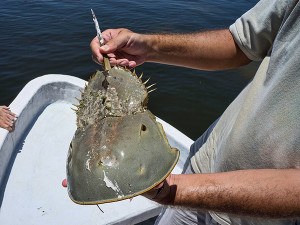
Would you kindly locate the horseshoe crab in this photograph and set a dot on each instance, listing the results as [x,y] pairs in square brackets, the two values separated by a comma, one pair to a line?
[119,150]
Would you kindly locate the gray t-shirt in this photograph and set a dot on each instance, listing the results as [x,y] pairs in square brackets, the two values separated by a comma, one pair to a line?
[261,127]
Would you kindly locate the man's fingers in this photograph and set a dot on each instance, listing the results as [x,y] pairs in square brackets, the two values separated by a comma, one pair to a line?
[95,47]
[115,40]
[8,126]
[7,111]
[96,60]
[123,62]
[113,61]
[12,114]
[9,121]
[132,64]
[126,63]
[12,118]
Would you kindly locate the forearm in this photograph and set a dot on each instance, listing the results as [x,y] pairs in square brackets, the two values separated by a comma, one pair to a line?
[212,50]
[262,193]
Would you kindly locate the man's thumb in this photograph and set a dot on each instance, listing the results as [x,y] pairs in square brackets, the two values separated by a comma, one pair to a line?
[114,44]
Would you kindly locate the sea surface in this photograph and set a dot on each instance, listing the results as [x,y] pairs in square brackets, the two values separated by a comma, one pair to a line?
[39,37]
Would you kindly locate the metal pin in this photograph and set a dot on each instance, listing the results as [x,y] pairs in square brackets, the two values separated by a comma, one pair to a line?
[106,62]
[99,34]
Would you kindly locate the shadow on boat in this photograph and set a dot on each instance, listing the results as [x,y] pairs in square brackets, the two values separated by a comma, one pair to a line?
[17,148]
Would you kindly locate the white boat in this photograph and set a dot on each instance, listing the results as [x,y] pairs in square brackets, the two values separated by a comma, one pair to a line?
[33,161]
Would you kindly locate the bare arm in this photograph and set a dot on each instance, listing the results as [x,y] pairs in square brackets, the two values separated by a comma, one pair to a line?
[212,50]
[271,193]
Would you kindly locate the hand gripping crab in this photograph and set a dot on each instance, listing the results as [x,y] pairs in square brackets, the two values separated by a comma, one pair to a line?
[119,150]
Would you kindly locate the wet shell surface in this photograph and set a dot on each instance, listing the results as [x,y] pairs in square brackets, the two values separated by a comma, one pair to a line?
[119,150]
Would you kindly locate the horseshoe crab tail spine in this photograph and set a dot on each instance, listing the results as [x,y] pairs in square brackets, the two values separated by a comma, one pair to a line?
[106,62]
[100,208]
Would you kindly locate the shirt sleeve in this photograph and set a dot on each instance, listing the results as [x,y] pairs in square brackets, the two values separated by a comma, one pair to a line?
[255,31]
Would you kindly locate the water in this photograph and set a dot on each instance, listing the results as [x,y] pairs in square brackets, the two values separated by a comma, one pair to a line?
[45,36]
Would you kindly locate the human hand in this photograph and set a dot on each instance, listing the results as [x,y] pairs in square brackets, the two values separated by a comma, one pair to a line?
[7,118]
[123,47]
[163,193]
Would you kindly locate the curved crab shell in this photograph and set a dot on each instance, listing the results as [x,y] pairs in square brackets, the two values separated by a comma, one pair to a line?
[119,158]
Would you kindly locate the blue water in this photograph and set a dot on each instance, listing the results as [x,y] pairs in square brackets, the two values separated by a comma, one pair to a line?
[40,37]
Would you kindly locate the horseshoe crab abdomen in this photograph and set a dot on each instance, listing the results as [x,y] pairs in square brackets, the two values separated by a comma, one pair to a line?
[127,158]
